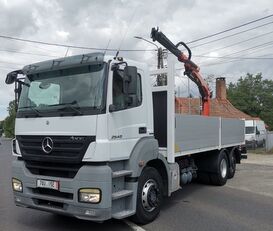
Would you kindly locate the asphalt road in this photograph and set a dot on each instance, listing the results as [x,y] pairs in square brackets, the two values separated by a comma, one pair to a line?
[245,203]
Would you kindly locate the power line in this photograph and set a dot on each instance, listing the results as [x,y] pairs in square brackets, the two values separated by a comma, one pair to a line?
[243,41]
[232,61]
[259,49]
[124,36]
[125,50]
[230,29]
[236,57]
[260,46]
[20,64]
[66,46]
[28,53]
[251,48]
[219,63]
[228,36]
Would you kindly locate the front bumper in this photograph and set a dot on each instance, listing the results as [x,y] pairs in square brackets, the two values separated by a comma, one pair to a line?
[66,200]
[250,143]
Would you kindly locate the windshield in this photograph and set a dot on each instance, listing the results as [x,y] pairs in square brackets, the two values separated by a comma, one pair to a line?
[249,130]
[73,91]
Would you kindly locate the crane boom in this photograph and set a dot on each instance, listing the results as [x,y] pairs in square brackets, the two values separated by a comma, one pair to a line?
[191,69]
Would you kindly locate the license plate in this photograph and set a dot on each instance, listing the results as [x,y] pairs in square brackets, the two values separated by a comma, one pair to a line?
[48,184]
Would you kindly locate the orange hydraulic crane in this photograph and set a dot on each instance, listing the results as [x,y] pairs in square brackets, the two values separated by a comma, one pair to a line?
[191,69]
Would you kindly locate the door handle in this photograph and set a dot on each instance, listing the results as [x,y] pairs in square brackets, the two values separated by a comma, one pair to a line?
[142,130]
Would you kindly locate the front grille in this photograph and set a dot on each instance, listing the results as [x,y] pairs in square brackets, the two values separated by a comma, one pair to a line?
[53,169]
[51,192]
[66,149]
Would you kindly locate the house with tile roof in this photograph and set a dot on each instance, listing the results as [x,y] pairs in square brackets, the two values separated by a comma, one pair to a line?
[220,105]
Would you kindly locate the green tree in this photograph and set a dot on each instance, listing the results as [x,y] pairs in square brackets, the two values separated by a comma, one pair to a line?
[9,122]
[253,95]
[1,127]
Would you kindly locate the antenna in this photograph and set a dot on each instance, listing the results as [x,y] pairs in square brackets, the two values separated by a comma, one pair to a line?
[66,51]
[126,32]
[107,47]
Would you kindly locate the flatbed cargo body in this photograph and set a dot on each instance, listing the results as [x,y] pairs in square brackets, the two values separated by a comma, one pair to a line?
[195,134]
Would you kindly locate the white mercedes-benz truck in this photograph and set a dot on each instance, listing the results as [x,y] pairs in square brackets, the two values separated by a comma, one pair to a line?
[95,140]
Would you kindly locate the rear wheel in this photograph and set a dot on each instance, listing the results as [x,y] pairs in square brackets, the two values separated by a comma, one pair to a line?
[149,196]
[219,177]
[232,165]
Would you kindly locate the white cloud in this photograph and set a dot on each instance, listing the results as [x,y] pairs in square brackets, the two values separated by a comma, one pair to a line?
[213,54]
[62,34]
[92,23]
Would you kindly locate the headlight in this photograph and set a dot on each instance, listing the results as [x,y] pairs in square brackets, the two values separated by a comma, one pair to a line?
[90,195]
[17,185]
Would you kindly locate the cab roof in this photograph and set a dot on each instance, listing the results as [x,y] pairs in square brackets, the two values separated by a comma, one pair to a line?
[65,62]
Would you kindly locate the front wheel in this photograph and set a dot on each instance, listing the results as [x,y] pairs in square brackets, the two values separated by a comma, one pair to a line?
[149,196]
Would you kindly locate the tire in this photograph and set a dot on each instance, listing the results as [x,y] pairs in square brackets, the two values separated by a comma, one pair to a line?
[220,163]
[232,165]
[149,196]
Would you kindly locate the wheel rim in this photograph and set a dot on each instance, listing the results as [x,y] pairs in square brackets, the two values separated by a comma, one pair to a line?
[150,195]
[223,168]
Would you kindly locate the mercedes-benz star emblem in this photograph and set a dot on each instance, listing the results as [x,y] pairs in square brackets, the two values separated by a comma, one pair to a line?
[47,145]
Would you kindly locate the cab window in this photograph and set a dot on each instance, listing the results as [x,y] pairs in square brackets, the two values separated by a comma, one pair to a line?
[121,100]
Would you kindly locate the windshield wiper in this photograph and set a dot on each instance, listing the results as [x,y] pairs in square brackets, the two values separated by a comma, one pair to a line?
[73,105]
[37,112]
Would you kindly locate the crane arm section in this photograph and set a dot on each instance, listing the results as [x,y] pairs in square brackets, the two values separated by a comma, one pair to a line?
[191,69]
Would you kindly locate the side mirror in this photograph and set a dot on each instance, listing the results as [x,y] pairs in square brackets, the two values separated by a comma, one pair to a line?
[12,76]
[112,108]
[258,132]
[130,80]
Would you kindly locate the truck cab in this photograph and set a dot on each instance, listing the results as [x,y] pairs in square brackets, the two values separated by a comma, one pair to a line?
[78,119]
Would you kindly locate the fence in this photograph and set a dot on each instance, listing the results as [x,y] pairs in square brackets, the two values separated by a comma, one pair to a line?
[269,141]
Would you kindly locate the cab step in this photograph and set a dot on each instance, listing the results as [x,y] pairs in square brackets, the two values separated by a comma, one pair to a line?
[123,214]
[121,173]
[121,194]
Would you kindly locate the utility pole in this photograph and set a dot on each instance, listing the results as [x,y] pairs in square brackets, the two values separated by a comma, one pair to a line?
[161,78]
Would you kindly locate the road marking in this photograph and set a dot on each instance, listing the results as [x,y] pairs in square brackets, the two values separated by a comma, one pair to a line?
[133,226]
[249,190]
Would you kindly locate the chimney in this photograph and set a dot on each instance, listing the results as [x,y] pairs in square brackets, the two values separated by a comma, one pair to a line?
[221,90]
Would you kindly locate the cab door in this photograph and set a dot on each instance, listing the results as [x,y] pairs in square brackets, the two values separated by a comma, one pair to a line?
[127,118]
